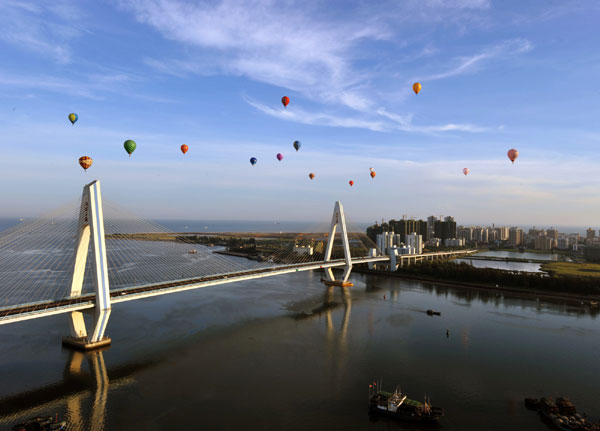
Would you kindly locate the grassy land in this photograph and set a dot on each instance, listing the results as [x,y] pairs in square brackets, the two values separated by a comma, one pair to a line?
[573,269]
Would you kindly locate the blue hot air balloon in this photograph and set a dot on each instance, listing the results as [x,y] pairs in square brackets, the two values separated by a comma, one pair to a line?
[297,145]
[253,161]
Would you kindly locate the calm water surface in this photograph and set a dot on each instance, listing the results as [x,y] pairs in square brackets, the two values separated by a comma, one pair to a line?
[287,353]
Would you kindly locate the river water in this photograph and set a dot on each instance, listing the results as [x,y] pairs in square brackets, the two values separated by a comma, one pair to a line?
[513,266]
[286,353]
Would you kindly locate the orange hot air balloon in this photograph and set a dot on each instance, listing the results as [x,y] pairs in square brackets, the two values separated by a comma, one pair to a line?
[184,148]
[311,175]
[285,100]
[465,171]
[373,174]
[85,162]
[416,87]
[351,183]
[512,154]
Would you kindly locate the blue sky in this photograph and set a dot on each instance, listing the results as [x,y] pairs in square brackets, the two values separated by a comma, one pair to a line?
[210,74]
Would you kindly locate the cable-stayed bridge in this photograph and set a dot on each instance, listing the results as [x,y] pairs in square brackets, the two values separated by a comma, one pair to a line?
[85,258]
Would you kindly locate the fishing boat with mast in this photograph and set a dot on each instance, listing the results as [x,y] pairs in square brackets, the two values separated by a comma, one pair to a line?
[399,406]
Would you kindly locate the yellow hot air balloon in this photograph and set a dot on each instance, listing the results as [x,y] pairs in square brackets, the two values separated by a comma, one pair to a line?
[416,87]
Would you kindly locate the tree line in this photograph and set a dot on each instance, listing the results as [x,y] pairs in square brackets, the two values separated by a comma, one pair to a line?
[528,280]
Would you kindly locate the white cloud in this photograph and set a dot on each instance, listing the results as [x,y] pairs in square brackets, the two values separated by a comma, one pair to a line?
[304,49]
[376,124]
[470,64]
[43,27]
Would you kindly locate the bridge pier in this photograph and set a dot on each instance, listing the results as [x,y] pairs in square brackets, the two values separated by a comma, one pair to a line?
[91,226]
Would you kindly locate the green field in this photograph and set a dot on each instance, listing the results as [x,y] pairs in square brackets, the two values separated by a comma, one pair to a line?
[572,268]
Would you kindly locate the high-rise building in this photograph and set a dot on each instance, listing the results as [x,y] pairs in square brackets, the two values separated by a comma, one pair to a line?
[414,240]
[590,234]
[466,233]
[543,243]
[385,241]
[502,233]
[445,229]
[552,233]
[563,243]
[515,236]
[454,242]
[430,222]
[405,226]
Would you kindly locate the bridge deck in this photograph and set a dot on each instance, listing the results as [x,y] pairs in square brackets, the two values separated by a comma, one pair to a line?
[66,305]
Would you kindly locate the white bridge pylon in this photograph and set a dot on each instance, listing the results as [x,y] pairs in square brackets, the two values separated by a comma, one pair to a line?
[91,226]
[338,219]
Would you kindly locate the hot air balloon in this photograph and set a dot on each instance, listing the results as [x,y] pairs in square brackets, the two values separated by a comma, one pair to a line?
[184,148]
[279,157]
[73,118]
[129,146]
[370,169]
[311,175]
[85,162]
[373,174]
[351,183]
[512,154]
[253,161]
[297,145]
[416,87]
[465,171]
[285,100]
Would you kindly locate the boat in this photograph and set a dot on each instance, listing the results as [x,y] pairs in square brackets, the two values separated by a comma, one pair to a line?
[561,414]
[193,251]
[399,406]
[41,424]
[433,313]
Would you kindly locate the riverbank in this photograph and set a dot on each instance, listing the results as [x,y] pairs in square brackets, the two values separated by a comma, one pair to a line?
[572,269]
[573,298]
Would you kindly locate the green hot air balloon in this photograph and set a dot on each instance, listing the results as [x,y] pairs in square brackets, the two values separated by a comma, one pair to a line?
[129,146]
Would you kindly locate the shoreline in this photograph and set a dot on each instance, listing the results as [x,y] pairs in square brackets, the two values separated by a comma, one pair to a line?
[570,297]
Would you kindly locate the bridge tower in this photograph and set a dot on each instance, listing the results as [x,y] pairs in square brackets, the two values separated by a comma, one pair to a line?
[90,226]
[338,219]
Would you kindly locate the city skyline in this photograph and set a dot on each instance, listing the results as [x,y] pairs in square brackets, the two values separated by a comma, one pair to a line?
[495,75]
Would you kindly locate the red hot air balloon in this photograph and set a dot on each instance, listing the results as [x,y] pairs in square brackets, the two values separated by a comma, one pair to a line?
[311,175]
[279,157]
[285,100]
[85,162]
[465,171]
[512,154]
[373,174]
[351,183]
[184,148]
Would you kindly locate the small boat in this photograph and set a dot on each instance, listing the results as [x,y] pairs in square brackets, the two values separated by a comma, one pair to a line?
[399,406]
[433,313]
[193,251]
